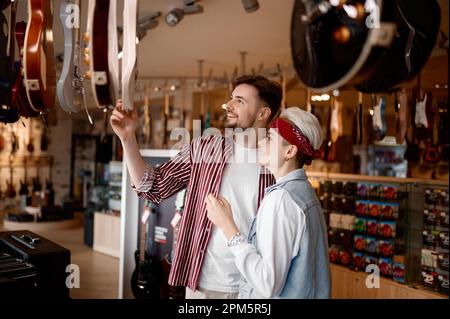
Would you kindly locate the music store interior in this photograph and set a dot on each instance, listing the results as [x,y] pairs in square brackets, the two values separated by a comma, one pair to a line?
[375,75]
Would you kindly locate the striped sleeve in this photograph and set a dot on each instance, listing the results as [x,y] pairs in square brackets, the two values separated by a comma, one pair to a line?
[161,182]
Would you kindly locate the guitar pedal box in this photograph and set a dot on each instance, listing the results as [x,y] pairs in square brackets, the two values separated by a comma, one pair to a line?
[49,258]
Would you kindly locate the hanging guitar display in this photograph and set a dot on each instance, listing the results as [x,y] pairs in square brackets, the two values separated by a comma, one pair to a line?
[8,113]
[10,190]
[129,56]
[169,291]
[358,122]
[443,132]
[70,88]
[402,116]
[101,53]
[338,44]
[417,28]
[19,93]
[145,278]
[379,126]
[332,45]
[39,58]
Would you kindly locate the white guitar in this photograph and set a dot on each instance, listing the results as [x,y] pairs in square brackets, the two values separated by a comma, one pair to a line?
[69,88]
[129,57]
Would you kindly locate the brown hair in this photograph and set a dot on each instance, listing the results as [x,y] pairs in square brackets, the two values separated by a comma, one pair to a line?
[270,92]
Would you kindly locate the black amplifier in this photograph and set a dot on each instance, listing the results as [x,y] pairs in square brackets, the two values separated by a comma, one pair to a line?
[49,258]
[18,279]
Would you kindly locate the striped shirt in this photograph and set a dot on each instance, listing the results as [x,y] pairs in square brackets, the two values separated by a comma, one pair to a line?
[199,166]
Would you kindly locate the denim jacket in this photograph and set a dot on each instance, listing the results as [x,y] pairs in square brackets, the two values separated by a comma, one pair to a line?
[309,271]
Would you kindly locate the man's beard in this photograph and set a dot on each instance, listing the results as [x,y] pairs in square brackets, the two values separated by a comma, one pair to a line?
[237,125]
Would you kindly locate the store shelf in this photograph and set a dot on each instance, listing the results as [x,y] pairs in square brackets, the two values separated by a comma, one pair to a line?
[350,284]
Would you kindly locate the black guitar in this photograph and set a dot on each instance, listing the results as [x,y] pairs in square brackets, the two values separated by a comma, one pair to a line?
[371,45]
[145,278]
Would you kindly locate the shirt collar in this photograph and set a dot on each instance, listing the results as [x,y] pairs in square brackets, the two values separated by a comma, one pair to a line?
[298,174]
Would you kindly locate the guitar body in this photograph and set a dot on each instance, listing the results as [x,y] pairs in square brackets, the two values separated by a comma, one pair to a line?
[7,67]
[129,58]
[39,57]
[331,50]
[379,128]
[69,96]
[417,27]
[101,20]
[144,280]
[19,94]
[431,155]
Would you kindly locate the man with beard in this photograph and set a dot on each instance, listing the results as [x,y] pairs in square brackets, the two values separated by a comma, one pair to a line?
[221,165]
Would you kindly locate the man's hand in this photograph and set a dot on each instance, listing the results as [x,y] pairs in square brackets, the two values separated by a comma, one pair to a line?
[220,214]
[123,123]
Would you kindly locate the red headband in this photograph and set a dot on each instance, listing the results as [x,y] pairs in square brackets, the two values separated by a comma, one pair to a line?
[294,137]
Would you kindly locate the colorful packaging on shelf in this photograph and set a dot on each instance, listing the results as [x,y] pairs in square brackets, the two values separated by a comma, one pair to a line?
[442,261]
[374,210]
[399,272]
[375,192]
[336,204]
[429,279]
[444,198]
[385,265]
[432,197]
[443,284]
[430,217]
[363,190]
[371,245]
[345,238]
[386,229]
[430,237]
[360,224]
[390,192]
[370,260]
[429,258]
[372,227]
[350,189]
[385,248]
[389,211]
[358,262]
[359,242]
[443,219]
[336,221]
[333,254]
[361,208]
[344,258]
[443,239]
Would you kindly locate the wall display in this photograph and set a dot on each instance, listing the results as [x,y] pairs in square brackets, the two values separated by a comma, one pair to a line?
[398,224]
[435,235]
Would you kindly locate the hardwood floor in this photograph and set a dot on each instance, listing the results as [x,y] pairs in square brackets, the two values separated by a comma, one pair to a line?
[99,273]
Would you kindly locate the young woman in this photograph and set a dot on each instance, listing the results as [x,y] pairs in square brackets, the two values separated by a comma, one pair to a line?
[285,253]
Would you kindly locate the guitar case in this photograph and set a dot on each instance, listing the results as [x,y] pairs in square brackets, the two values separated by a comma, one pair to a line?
[371,59]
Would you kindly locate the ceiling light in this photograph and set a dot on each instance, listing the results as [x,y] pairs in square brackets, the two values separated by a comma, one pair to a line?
[250,5]
[174,17]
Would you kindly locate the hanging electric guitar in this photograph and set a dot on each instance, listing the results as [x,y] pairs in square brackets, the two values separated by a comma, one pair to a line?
[417,28]
[402,116]
[358,122]
[379,126]
[169,291]
[30,145]
[373,45]
[39,58]
[10,190]
[19,94]
[145,278]
[329,147]
[129,56]
[101,53]
[332,45]
[70,88]
[24,184]
[443,132]
[7,50]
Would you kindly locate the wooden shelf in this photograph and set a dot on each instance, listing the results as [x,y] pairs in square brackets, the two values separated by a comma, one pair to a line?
[350,284]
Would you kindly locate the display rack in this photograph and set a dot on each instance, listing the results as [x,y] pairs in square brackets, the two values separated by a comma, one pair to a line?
[380,220]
